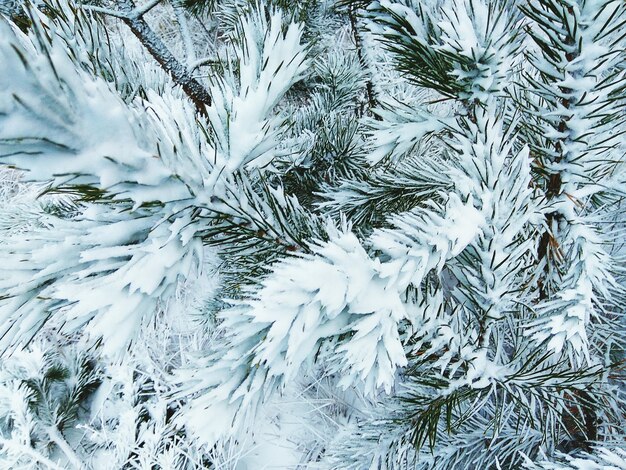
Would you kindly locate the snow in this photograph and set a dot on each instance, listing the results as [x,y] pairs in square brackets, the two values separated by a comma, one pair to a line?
[424,302]
[240,113]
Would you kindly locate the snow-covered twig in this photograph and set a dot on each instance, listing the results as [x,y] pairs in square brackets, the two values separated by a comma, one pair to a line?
[139,11]
[61,443]
[132,16]
[105,11]
[185,34]
[200,62]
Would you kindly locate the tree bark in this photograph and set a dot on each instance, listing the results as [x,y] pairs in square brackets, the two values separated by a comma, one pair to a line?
[369,87]
[157,49]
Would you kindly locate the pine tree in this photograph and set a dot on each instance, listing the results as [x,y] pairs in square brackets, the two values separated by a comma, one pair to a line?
[413,211]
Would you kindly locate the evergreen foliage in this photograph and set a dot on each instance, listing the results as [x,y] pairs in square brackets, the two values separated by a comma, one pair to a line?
[397,222]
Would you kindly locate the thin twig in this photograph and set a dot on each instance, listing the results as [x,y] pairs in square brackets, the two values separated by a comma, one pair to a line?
[200,62]
[138,12]
[105,11]
[59,440]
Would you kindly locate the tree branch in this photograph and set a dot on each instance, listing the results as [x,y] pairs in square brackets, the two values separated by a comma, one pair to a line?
[138,12]
[59,440]
[183,26]
[105,11]
[369,87]
[132,16]
[200,62]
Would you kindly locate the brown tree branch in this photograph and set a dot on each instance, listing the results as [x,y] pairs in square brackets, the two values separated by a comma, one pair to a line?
[132,16]
[369,87]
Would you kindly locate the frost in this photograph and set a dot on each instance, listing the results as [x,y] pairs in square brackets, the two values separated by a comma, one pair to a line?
[399,131]
[108,269]
[282,326]
[478,35]
[392,239]
[240,112]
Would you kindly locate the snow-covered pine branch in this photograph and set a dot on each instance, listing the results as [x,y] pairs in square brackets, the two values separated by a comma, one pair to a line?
[436,285]
[177,68]
[576,85]
[147,179]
